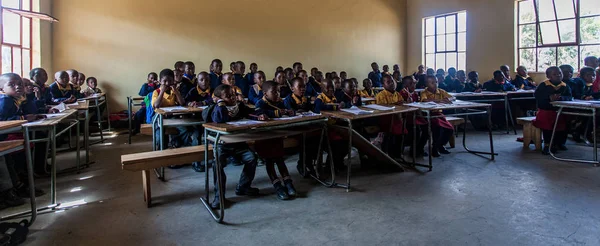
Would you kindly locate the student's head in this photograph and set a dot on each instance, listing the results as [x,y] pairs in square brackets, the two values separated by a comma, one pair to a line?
[334,74]
[386,68]
[280,78]
[505,70]
[232,67]
[178,75]
[302,74]
[271,90]
[253,67]
[225,93]
[430,71]
[473,76]
[328,89]
[216,66]
[409,83]
[259,78]
[328,76]
[567,71]
[367,84]
[522,71]
[499,76]
[92,82]
[289,73]
[298,87]
[62,78]
[355,81]
[554,74]
[152,77]
[240,67]
[228,79]
[313,71]
[421,69]
[374,66]
[349,87]
[591,61]
[388,83]
[343,75]
[588,75]
[73,76]
[38,75]
[337,83]
[167,77]
[452,71]
[440,78]
[80,79]
[203,80]
[297,67]
[431,83]
[397,76]
[440,72]
[12,85]
[319,76]
[461,76]
[396,67]
[179,65]
[189,68]
[279,69]
[27,86]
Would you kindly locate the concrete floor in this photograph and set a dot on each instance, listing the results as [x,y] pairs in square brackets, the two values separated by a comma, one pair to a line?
[522,198]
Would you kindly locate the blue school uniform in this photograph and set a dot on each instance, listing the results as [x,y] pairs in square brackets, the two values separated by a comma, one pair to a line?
[453,84]
[241,83]
[284,91]
[346,100]
[147,89]
[185,86]
[375,77]
[60,94]
[495,87]
[45,99]
[15,109]
[249,78]
[577,85]
[255,95]
[324,102]
[270,109]
[522,83]
[215,80]
[297,104]
[313,89]
[198,95]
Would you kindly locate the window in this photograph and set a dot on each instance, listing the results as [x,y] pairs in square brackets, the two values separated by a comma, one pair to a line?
[445,41]
[17,55]
[557,32]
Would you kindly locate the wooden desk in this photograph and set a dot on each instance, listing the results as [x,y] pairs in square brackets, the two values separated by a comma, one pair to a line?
[11,126]
[229,128]
[83,107]
[490,97]
[376,113]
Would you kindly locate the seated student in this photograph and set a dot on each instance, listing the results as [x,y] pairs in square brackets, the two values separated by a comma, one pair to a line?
[587,75]
[313,73]
[440,79]
[240,82]
[189,72]
[522,81]
[386,70]
[216,66]
[375,75]
[337,84]
[397,76]
[271,150]
[389,124]
[284,87]
[232,67]
[498,84]
[368,92]
[553,89]
[147,88]
[279,69]
[29,94]
[200,96]
[312,89]
[473,84]
[179,65]
[61,91]
[182,84]
[347,95]
[576,86]
[227,109]
[229,79]
[74,82]
[420,77]
[451,81]
[506,72]
[289,74]
[297,67]
[253,69]
[441,129]
[256,93]
[409,95]
[343,75]
[297,101]
[92,87]
[396,68]
[327,101]
[41,90]
[461,75]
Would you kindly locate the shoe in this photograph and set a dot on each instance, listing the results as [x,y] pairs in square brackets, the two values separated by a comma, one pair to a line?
[281,191]
[250,191]
[24,192]
[443,150]
[11,199]
[563,147]
[199,166]
[216,204]
[291,190]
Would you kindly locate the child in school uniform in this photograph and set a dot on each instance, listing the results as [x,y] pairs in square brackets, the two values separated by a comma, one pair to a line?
[227,109]
[587,75]
[147,88]
[506,72]
[240,82]
[74,82]
[256,93]
[473,84]
[368,91]
[397,76]
[576,86]
[271,150]
[337,84]
[441,129]
[313,89]
[200,95]
[347,95]
[451,81]
[375,75]
[327,101]
[498,84]
[409,95]
[386,70]
[92,87]
[189,72]
[391,126]
[216,66]
[343,75]
[284,86]
[182,84]
[39,76]
[229,79]
[253,69]
[522,81]
[553,89]
[61,90]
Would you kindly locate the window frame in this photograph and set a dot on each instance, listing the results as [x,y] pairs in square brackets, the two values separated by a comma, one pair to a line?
[435,35]
[20,46]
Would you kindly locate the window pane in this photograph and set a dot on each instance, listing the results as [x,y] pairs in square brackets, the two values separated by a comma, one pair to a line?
[589,50]
[25,5]
[430,44]
[450,24]
[462,42]
[6,59]
[430,60]
[451,60]
[549,33]
[527,35]
[589,7]
[451,42]
[11,28]
[441,43]
[546,10]
[10,4]
[441,25]
[526,12]
[567,31]
[26,62]
[429,26]
[16,54]
[462,22]
[462,61]
[26,35]
[527,58]
[564,9]
[440,61]
[568,56]
[590,30]
[546,58]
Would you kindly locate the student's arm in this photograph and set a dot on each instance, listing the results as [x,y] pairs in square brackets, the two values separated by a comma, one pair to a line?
[263,108]
[253,97]
[157,98]
[542,97]
[145,90]
[220,113]
[178,96]
[319,105]
[287,102]
[509,87]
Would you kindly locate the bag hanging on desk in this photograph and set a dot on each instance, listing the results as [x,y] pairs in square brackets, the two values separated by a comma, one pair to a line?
[13,233]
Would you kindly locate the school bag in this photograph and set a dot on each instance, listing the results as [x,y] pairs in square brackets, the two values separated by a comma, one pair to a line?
[12,233]
[149,108]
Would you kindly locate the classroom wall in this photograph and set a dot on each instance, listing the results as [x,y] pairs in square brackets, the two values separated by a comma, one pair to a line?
[121,41]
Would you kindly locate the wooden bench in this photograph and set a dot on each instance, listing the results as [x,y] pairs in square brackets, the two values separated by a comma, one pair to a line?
[530,133]
[146,161]
[455,121]
[146,129]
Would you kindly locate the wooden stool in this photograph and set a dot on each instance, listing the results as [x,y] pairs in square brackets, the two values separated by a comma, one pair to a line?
[455,121]
[530,133]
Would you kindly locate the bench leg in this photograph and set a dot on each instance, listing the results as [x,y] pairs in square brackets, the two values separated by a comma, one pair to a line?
[527,135]
[452,141]
[538,138]
[146,186]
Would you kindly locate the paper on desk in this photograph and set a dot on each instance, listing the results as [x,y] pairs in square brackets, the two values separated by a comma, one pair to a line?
[422,104]
[171,109]
[367,99]
[309,113]
[379,107]
[60,107]
[357,111]
[460,102]
[202,107]
[288,118]
[488,92]
[244,122]
[50,116]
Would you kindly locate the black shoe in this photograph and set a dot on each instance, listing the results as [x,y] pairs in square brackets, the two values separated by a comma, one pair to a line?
[280,191]
[563,147]
[216,204]
[291,190]
[11,199]
[250,191]
[199,167]
[443,150]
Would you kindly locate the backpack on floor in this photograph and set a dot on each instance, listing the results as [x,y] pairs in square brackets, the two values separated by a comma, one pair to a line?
[13,233]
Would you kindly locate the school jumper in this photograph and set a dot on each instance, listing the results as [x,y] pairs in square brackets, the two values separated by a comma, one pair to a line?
[284,90]
[198,95]
[313,89]
[453,84]
[59,93]
[215,80]
[242,84]
[296,103]
[188,136]
[255,95]
[546,115]
[440,127]
[523,83]
[375,77]
[472,87]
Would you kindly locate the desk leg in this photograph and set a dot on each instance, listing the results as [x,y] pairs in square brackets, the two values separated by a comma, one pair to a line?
[491,153]
[554,132]
[162,146]
[594,136]
[414,143]
[129,116]
[78,145]
[506,113]
[510,116]
[107,112]
[86,137]
[53,171]
[206,202]
[430,140]
[28,158]
[349,156]
[99,119]
[319,160]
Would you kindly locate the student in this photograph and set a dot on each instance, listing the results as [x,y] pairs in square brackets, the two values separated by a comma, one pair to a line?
[391,126]
[398,79]
[271,150]
[473,85]
[232,67]
[279,69]
[28,92]
[368,92]
[522,81]
[256,92]
[592,61]
[420,77]
[179,65]
[150,85]
[61,90]
[386,70]
[297,67]
[41,90]
[451,81]
[215,73]
[297,101]
[441,129]
[409,95]
[397,68]
[227,109]
[506,72]
[337,85]
[289,75]
[587,75]
[284,87]
[200,96]
[576,86]
[81,79]
[328,76]
[74,82]
[461,76]
[326,100]
[147,88]
[92,87]
[183,84]
[334,74]
[389,95]
[240,82]
[313,73]
[553,89]
[312,89]
[343,76]
[189,72]
[348,95]
[498,84]
[253,69]
[229,79]
[375,75]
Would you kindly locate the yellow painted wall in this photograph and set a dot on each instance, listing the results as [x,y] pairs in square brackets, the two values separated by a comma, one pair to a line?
[121,41]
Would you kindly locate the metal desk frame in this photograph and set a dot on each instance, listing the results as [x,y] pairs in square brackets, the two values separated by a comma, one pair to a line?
[588,107]
[130,104]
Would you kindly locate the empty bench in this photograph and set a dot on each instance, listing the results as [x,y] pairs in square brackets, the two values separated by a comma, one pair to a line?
[530,133]
[455,121]
[146,161]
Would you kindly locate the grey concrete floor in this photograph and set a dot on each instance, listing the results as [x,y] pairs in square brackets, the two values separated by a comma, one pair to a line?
[522,198]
